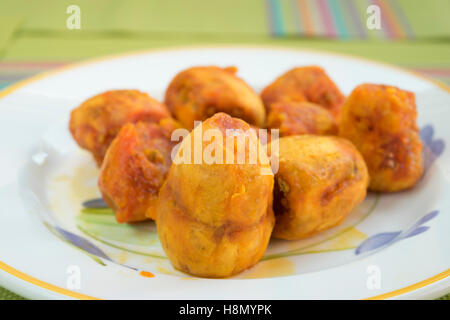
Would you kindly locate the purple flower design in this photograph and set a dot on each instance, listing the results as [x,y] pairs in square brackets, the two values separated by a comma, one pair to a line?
[432,148]
[381,240]
[82,243]
[95,203]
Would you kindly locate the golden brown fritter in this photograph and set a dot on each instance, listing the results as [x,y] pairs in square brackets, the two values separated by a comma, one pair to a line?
[320,180]
[135,167]
[215,220]
[263,134]
[96,122]
[295,118]
[309,83]
[380,120]
[200,92]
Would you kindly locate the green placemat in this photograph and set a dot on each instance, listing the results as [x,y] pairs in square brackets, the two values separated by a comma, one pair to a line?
[8,295]
[400,19]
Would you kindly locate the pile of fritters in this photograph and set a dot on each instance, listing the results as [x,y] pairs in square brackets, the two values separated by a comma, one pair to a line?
[216,219]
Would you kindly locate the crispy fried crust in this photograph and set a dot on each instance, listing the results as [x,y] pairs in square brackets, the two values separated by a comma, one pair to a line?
[295,118]
[135,167]
[320,180]
[380,120]
[96,122]
[215,220]
[309,83]
[200,92]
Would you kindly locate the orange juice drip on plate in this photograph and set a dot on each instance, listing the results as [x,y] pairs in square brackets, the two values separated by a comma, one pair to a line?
[146,274]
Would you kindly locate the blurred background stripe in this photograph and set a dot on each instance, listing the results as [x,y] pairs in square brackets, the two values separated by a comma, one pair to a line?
[336,18]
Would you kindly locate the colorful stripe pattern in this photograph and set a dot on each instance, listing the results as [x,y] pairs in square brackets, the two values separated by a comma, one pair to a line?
[341,19]
[11,72]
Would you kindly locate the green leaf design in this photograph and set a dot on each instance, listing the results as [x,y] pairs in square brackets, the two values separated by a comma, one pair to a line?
[152,255]
[102,223]
[97,211]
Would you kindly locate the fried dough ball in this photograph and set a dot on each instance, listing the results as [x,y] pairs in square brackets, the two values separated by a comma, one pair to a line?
[200,92]
[263,134]
[295,118]
[320,180]
[215,220]
[96,122]
[309,83]
[380,120]
[135,167]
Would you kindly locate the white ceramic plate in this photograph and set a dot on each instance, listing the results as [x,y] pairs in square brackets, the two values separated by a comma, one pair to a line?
[393,245]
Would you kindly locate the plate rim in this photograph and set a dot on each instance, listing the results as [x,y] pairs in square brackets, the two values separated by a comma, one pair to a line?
[17,274]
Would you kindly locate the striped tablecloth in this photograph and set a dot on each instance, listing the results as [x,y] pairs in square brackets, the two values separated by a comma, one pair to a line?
[34,37]
[347,19]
